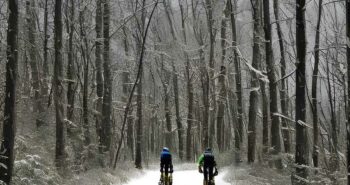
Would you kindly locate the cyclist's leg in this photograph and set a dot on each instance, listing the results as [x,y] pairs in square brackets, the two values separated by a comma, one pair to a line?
[205,172]
[211,173]
[166,169]
[170,180]
[165,174]
[161,181]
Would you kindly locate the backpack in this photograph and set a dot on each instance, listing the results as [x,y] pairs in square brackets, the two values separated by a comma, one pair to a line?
[209,160]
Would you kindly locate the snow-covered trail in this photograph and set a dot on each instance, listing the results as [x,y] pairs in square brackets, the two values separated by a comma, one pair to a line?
[189,177]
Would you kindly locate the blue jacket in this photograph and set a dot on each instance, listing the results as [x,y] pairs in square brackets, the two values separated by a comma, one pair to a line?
[166,161]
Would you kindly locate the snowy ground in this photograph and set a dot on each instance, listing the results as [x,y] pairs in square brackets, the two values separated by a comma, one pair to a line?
[187,177]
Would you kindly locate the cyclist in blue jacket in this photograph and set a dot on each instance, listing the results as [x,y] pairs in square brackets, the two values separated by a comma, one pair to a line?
[166,164]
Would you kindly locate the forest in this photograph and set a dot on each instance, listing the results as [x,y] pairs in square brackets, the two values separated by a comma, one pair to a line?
[92,90]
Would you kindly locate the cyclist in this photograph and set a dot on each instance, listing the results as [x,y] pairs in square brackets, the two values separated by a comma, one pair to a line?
[166,164]
[206,165]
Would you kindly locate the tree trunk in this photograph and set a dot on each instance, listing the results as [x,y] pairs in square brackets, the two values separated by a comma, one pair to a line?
[86,60]
[154,119]
[348,62]
[126,92]
[189,86]
[206,104]
[9,124]
[73,128]
[224,32]
[71,73]
[33,61]
[221,109]
[139,128]
[265,116]
[334,158]
[86,129]
[275,120]
[301,136]
[140,47]
[284,82]
[197,138]
[99,77]
[254,91]
[204,79]
[107,93]
[130,127]
[167,8]
[314,87]
[26,86]
[180,130]
[168,131]
[238,79]
[211,72]
[59,88]
[46,80]
[220,131]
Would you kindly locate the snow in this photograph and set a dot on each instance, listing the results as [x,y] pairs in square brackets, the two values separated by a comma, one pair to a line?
[188,177]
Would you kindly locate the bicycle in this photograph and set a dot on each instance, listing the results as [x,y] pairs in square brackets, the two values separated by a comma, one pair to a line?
[166,179]
[212,182]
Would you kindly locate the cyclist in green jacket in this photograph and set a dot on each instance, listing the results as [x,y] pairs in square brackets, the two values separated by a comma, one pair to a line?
[206,165]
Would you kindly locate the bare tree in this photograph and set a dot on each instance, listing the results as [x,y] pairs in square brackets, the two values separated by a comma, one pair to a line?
[154,118]
[107,92]
[238,79]
[59,87]
[190,113]
[348,63]
[220,125]
[204,76]
[140,44]
[166,89]
[221,109]
[9,125]
[314,87]
[34,62]
[254,91]
[301,136]
[180,130]
[275,120]
[126,92]
[71,70]
[209,5]
[86,65]
[46,81]
[166,80]
[167,8]
[334,159]
[265,113]
[98,65]
[72,128]
[284,82]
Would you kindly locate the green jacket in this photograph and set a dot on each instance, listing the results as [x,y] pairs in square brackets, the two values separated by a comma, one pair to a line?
[200,161]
